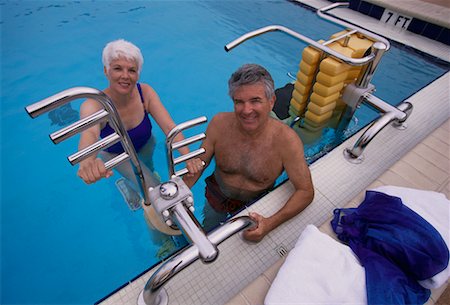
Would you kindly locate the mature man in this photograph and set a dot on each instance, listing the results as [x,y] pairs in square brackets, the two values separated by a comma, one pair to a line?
[251,150]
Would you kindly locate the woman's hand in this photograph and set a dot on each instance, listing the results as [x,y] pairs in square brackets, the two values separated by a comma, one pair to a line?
[91,170]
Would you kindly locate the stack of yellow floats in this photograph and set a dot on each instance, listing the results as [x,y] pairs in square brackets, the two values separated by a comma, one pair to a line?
[319,84]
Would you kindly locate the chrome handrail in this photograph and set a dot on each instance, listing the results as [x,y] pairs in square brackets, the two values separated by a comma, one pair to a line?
[321,13]
[370,62]
[396,115]
[154,292]
[324,48]
[170,146]
[109,113]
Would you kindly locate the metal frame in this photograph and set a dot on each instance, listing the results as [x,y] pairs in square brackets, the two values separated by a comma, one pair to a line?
[170,146]
[109,113]
[154,292]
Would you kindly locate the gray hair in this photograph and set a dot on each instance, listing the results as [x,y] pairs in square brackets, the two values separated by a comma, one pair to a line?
[250,74]
[122,48]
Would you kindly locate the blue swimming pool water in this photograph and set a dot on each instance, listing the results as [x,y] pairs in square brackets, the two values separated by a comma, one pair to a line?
[67,243]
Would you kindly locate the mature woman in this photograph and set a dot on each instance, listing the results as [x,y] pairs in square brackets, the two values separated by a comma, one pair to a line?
[134,101]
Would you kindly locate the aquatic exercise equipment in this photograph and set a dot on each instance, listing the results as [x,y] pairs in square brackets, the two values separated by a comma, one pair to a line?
[334,79]
[321,80]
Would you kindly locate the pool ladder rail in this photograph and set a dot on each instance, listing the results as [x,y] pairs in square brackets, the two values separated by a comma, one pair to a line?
[360,92]
[182,216]
[110,114]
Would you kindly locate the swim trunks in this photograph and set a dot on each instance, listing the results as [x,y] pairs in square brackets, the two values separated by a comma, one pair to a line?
[219,201]
[139,135]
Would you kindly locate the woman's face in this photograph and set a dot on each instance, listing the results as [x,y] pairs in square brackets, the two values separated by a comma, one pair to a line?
[122,75]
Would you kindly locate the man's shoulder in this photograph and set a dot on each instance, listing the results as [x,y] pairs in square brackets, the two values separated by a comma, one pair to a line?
[222,118]
[283,132]
[281,128]
[218,125]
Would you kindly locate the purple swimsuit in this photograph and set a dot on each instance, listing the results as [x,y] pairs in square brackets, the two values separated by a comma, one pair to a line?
[139,135]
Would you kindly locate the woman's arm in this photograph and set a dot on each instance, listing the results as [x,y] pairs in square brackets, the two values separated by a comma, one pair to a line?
[154,106]
[92,168]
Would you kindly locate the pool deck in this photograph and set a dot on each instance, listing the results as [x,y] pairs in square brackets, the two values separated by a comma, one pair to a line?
[336,182]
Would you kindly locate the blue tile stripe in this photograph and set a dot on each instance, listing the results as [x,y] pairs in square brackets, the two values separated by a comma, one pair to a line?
[417,26]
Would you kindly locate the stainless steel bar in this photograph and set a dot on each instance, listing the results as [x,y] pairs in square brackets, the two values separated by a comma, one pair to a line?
[181,172]
[375,128]
[189,224]
[188,141]
[62,98]
[346,41]
[346,35]
[128,146]
[119,159]
[171,137]
[79,126]
[94,148]
[154,286]
[367,72]
[331,52]
[188,156]
[180,127]
[381,106]
[321,13]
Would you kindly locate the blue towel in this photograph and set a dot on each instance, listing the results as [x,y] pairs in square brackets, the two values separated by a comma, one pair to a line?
[396,246]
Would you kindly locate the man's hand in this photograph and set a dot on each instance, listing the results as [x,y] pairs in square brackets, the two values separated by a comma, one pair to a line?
[194,166]
[258,232]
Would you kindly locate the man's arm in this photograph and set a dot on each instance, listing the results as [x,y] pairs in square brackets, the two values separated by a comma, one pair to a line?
[298,172]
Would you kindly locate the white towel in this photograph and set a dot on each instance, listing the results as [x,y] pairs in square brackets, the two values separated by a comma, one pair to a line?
[319,270]
[433,207]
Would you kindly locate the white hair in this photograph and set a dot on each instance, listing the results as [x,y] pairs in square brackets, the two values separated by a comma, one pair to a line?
[122,49]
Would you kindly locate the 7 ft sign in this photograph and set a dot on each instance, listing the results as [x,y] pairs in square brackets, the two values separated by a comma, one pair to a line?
[395,19]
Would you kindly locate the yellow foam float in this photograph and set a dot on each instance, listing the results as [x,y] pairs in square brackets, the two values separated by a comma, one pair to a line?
[320,83]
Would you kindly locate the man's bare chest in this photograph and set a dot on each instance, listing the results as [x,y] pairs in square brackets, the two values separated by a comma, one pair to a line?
[257,161]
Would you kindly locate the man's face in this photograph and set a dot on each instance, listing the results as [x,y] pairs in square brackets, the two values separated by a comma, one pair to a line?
[252,107]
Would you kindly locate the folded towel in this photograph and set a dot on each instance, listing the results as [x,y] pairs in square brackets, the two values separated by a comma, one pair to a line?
[319,270]
[396,246]
[433,207]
